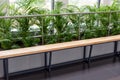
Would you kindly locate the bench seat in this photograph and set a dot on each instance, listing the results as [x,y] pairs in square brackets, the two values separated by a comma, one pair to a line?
[6,54]
[54,47]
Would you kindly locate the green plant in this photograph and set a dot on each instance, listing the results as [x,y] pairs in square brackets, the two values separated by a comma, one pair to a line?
[6,44]
[15,46]
[61,24]
[25,7]
[5,25]
[30,41]
[56,28]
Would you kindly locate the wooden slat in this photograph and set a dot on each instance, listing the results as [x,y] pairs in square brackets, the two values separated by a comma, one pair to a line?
[57,46]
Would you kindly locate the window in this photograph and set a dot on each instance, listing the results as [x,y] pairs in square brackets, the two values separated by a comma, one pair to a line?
[106,2]
[12,1]
[49,4]
[83,2]
[40,3]
[4,7]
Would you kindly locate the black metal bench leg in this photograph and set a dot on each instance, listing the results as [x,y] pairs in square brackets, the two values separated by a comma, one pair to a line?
[115,51]
[84,57]
[89,56]
[6,71]
[119,56]
[46,60]
[50,61]
[84,54]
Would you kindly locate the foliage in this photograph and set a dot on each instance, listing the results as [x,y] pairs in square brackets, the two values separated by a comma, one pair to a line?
[56,28]
[6,44]
[15,46]
[30,41]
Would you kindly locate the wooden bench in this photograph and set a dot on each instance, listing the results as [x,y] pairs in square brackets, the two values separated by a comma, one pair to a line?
[48,49]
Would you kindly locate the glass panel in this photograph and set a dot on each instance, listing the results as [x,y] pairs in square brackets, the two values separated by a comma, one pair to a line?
[106,2]
[82,2]
[36,3]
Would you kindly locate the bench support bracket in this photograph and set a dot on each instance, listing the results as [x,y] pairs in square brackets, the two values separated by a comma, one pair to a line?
[87,59]
[89,56]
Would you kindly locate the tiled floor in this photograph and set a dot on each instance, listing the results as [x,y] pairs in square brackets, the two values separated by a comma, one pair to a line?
[100,70]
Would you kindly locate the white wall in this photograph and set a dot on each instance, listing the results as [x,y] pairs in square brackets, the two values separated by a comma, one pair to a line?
[34,61]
